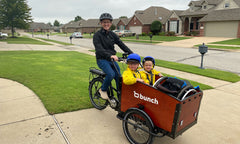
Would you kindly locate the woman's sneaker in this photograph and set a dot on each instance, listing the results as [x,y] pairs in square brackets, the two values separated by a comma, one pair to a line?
[103,94]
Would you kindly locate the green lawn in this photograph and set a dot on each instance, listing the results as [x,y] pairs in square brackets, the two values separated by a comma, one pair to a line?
[158,38]
[60,79]
[229,42]
[23,40]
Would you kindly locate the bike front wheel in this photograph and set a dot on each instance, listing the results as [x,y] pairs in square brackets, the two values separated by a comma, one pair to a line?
[137,127]
[94,94]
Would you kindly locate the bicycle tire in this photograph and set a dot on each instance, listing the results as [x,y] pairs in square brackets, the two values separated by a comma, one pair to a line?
[94,94]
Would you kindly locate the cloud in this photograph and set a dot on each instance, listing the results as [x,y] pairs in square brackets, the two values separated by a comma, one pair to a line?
[66,10]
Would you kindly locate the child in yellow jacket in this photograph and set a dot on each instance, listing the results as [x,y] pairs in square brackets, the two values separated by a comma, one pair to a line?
[132,75]
[148,73]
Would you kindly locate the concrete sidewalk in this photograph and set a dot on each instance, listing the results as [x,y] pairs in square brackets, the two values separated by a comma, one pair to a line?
[24,119]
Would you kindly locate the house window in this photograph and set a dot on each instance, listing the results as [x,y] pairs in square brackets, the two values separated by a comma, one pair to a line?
[205,7]
[226,5]
[197,25]
[191,26]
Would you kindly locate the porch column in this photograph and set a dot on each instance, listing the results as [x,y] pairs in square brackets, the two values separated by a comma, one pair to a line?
[189,24]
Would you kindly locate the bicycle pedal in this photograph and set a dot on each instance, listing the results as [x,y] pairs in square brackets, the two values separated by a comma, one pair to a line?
[113,102]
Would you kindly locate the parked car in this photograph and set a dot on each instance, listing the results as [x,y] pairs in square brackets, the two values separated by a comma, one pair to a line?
[77,35]
[125,33]
[3,35]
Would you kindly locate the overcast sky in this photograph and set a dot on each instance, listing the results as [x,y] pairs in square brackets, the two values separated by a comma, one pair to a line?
[66,10]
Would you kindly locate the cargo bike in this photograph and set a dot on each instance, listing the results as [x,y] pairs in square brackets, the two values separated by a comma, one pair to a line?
[147,111]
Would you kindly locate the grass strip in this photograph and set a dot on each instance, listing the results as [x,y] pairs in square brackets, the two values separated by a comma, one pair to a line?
[229,42]
[23,40]
[212,73]
[140,41]
[54,41]
[158,38]
[220,47]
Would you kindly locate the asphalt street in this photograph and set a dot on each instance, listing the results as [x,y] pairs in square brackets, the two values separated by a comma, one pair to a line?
[215,59]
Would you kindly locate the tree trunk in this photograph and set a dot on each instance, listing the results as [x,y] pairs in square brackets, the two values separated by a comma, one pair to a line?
[12,31]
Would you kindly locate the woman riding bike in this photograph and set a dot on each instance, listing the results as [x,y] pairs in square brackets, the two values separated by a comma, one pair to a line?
[104,41]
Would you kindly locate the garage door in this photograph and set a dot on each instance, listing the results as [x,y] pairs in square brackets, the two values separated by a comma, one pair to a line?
[221,29]
[136,29]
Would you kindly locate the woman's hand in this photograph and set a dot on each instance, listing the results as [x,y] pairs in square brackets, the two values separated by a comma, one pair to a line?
[114,57]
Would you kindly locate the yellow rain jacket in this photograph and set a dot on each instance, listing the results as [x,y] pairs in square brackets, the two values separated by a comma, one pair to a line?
[149,77]
[130,77]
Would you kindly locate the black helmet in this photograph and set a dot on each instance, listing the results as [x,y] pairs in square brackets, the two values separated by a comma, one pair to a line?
[105,16]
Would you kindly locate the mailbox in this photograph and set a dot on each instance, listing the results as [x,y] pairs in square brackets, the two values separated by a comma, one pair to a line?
[203,49]
[137,36]
[150,36]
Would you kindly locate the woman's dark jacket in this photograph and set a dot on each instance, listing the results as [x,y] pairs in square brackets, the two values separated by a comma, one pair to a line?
[104,44]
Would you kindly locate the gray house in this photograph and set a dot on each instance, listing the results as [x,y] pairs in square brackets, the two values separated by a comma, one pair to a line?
[215,18]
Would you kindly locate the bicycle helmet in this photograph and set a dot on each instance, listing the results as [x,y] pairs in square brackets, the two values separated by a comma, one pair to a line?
[106,16]
[134,57]
[148,58]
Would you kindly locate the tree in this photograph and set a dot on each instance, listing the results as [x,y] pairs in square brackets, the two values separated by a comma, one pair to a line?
[123,17]
[14,14]
[56,23]
[77,18]
[156,27]
[113,27]
[49,23]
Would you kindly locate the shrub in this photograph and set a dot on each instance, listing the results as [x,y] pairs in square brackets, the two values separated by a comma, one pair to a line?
[156,27]
[171,33]
[162,33]
[144,34]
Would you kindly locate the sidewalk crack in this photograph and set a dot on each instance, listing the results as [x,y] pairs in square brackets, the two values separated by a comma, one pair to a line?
[60,129]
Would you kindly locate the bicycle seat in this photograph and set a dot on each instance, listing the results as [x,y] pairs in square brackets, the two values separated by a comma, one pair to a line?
[97,71]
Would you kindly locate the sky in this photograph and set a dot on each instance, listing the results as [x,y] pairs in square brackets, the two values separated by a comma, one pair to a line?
[66,10]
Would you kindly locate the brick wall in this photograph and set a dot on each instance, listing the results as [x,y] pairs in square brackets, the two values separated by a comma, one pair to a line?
[238,33]
[202,29]
[134,22]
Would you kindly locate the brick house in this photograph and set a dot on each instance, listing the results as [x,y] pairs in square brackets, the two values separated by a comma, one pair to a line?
[39,27]
[215,18]
[90,26]
[122,23]
[141,21]
[174,23]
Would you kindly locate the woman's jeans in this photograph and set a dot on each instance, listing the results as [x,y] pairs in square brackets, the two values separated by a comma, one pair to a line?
[111,73]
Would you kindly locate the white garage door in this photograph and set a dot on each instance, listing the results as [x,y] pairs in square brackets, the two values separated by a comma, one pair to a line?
[136,29]
[221,29]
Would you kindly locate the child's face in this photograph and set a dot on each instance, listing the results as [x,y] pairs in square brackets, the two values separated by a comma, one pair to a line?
[148,65]
[133,66]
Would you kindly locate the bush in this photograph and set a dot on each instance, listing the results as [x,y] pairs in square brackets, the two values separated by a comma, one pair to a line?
[195,33]
[156,27]
[187,33]
[150,33]
[144,34]
[162,33]
[171,33]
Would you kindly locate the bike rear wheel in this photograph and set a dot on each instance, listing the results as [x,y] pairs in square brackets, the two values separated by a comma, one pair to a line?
[137,126]
[94,94]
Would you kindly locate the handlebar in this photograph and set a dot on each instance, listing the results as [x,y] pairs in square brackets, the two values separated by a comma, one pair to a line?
[123,58]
